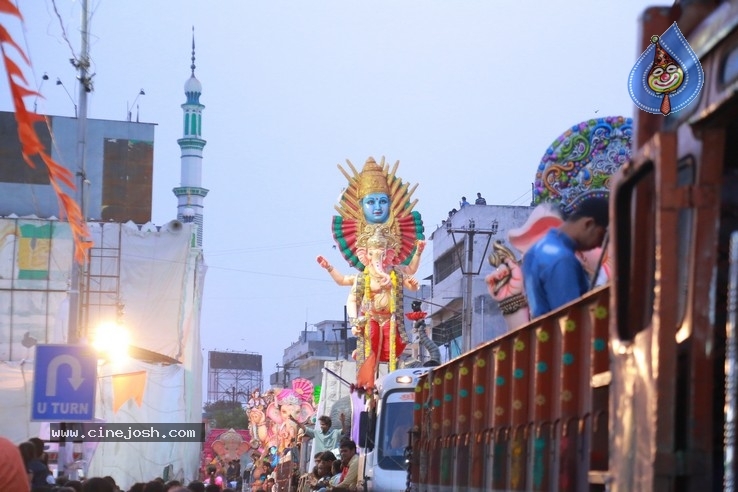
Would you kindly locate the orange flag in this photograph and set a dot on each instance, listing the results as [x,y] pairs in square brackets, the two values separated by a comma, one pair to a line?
[127,386]
[31,145]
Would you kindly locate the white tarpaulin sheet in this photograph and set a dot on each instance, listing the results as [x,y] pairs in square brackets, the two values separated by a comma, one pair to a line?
[157,277]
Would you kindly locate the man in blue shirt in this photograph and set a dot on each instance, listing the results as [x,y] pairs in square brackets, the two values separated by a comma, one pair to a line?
[552,273]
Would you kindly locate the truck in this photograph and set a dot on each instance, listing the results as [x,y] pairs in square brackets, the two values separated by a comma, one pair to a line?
[384,430]
[384,417]
[631,387]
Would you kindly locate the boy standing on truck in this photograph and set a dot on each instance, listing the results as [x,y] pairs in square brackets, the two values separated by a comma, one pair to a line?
[552,273]
[327,439]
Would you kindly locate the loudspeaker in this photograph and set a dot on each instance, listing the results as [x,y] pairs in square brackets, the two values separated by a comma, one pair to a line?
[174,226]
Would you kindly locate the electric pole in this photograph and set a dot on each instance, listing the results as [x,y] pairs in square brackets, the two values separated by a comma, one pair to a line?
[76,318]
[469,272]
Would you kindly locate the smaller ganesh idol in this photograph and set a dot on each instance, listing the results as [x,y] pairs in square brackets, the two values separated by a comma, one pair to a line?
[380,235]
[276,426]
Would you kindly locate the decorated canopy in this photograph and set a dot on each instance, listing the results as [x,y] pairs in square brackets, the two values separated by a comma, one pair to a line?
[580,162]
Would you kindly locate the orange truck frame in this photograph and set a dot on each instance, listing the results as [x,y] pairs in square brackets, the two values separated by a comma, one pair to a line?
[623,389]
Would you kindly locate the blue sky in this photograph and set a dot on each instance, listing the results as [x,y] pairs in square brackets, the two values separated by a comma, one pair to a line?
[466,94]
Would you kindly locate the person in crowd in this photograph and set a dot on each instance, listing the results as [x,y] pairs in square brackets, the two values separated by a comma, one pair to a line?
[272,485]
[97,484]
[158,486]
[112,482]
[398,440]
[39,475]
[237,474]
[75,485]
[231,473]
[40,446]
[326,460]
[336,471]
[259,475]
[552,273]
[213,478]
[27,454]
[334,475]
[349,468]
[196,486]
[316,458]
[12,470]
[292,452]
[315,476]
[323,473]
[250,470]
[327,439]
[463,203]
[172,484]
[480,200]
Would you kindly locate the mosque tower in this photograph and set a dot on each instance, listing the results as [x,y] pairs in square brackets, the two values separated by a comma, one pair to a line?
[190,194]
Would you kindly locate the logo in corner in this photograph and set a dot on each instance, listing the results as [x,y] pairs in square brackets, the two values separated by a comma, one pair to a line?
[667,76]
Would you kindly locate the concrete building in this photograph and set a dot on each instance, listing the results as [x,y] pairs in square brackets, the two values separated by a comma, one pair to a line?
[304,358]
[119,165]
[455,275]
[141,279]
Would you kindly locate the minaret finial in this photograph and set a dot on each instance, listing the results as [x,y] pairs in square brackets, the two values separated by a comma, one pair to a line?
[193,51]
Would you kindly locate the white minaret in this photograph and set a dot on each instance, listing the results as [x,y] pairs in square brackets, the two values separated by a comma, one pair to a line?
[190,194]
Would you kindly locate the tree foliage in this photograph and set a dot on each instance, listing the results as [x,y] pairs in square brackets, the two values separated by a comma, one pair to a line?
[227,414]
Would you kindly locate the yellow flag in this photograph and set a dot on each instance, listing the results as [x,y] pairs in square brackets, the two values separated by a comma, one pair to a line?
[127,386]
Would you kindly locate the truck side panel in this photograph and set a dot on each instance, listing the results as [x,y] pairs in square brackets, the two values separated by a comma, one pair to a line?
[536,413]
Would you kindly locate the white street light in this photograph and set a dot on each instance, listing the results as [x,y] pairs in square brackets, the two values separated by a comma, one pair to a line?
[112,341]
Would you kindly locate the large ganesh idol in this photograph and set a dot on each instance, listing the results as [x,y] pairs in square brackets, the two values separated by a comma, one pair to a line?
[579,164]
[380,235]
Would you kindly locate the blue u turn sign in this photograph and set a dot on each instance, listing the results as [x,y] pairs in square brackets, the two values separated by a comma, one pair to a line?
[64,383]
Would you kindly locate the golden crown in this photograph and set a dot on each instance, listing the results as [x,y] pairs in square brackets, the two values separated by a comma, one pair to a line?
[372,179]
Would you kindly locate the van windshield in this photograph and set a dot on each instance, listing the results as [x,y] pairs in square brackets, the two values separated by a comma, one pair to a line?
[396,421]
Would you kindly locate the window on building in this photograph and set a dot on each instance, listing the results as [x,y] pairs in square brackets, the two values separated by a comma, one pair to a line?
[446,331]
[448,263]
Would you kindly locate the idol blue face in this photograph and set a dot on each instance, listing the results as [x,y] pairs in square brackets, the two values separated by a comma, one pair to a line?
[376,207]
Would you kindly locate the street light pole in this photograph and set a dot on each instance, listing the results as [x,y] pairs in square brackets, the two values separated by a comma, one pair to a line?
[468,271]
[234,394]
[77,323]
[284,372]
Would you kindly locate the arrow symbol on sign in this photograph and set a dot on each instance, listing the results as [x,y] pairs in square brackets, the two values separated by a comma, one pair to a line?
[51,372]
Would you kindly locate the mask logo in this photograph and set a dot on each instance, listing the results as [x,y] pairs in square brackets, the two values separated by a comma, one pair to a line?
[667,76]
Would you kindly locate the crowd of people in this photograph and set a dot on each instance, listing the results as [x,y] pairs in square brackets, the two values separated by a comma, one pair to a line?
[24,468]
[464,203]
[329,473]
[336,474]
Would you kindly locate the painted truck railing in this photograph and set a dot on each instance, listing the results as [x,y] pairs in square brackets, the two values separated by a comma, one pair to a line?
[527,411]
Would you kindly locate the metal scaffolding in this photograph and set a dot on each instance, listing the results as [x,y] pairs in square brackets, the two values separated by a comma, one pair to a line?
[233,375]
